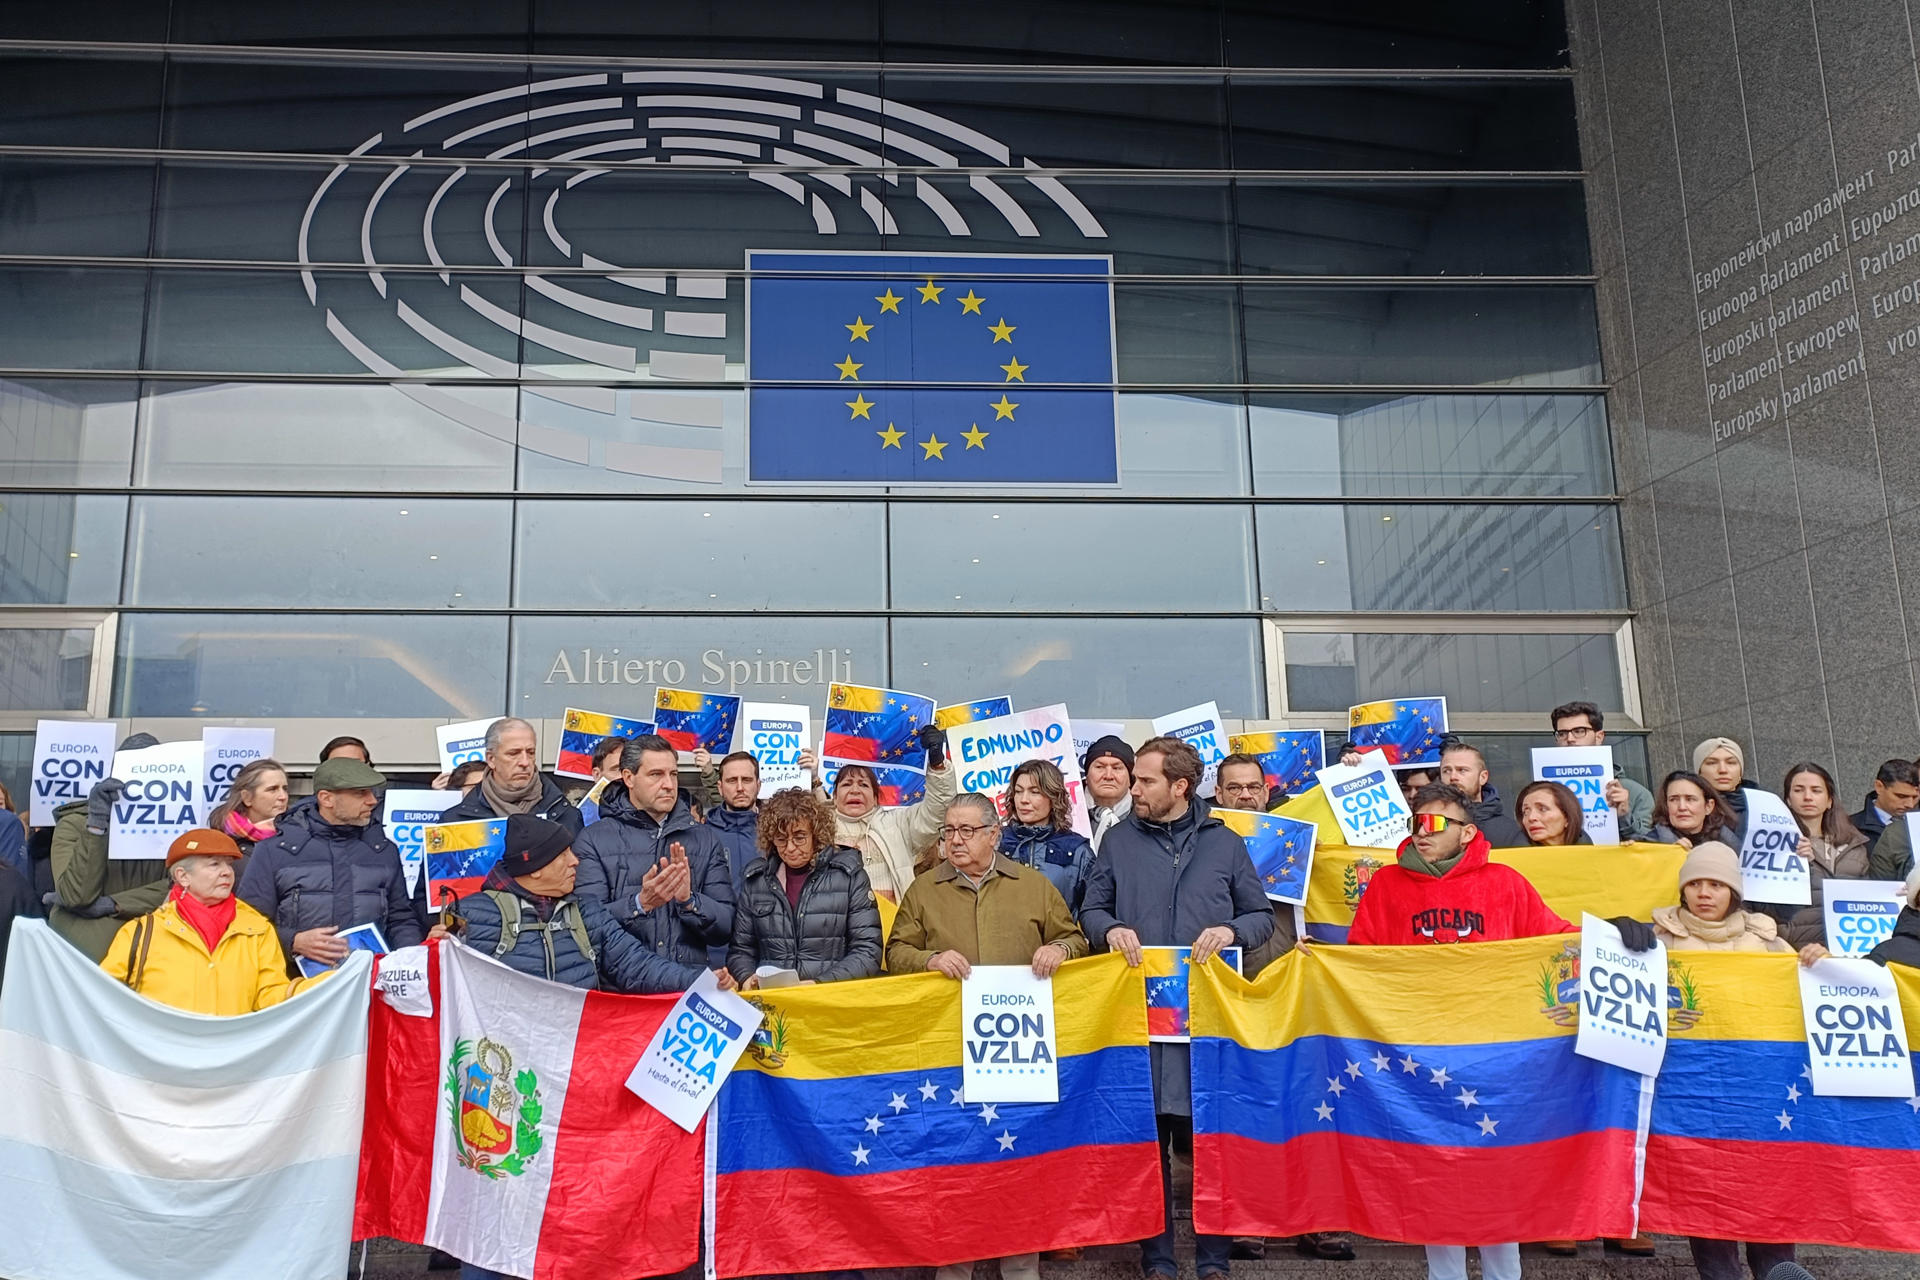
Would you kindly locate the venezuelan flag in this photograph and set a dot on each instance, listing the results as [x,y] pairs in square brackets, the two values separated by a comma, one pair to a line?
[1606,880]
[847,1110]
[875,725]
[969,712]
[1407,1093]
[898,785]
[1288,759]
[1408,730]
[582,731]
[459,855]
[693,721]
[1740,1147]
[1281,849]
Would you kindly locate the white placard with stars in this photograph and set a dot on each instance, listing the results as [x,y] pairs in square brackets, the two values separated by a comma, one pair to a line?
[1856,1035]
[1623,1000]
[1007,1046]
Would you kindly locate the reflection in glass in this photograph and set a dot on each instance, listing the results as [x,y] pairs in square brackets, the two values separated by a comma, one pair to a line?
[1106,121]
[1475,673]
[61,548]
[79,102]
[1396,228]
[330,666]
[44,669]
[614,664]
[65,433]
[1431,446]
[70,317]
[244,436]
[1520,34]
[1102,668]
[1404,124]
[960,557]
[67,207]
[1178,335]
[1062,32]
[723,554]
[1440,557]
[270,551]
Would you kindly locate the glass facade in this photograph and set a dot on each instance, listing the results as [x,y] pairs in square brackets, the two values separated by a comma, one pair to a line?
[374,360]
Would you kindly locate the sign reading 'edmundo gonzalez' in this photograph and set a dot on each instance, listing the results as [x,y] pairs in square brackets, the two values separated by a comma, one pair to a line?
[987,752]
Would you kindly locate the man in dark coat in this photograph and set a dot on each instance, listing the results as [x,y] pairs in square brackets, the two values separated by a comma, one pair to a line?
[330,869]
[513,782]
[733,809]
[660,874]
[1896,790]
[1173,875]
[528,917]
[1463,767]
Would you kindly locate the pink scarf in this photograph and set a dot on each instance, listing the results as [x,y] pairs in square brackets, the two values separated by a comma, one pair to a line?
[241,827]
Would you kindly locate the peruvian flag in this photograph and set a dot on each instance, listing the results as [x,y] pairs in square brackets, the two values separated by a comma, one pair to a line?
[501,1130]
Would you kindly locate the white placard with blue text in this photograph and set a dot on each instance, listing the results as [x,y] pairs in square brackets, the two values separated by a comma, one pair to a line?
[1009,1053]
[228,751]
[775,733]
[1623,1000]
[1088,732]
[1200,728]
[1771,868]
[69,757]
[406,815]
[986,752]
[693,1052]
[1585,771]
[161,798]
[1367,802]
[1860,913]
[1856,1035]
[461,742]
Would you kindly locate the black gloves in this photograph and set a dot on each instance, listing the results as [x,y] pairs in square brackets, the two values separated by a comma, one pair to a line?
[1634,934]
[100,802]
[933,741]
[103,905]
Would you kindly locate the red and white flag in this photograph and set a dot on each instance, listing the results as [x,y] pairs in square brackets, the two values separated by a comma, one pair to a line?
[502,1130]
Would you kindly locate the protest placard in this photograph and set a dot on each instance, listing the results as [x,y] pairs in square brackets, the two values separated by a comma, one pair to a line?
[1165,970]
[582,731]
[1288,757]
[1281,849]
[1007,1036]
[459,856]
[228,751]
[1856,1036]
[693,1051]
[898,784]
[775,733]
[362,937]
[967,712]
[1088,732]
[406,813]
[1585,771]
[986,752]
[1771,868]
[461,742]
[694,721]
[1860,914]
[1408,730]
[1367,802]
[1623,1000]
[1200,728]
[69,757]
[161,798]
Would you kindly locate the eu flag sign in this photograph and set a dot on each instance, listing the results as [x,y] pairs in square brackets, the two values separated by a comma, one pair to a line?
[944,369]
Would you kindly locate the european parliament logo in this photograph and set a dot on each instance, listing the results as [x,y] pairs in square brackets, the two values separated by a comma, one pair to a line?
[942,369]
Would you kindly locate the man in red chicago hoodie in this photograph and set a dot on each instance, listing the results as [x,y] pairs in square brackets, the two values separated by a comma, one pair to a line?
[1445,890]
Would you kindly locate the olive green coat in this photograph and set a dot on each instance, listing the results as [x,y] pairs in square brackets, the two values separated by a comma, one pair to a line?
[82,871]
[1015,912]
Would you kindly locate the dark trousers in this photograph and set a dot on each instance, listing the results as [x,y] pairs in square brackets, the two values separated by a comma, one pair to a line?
[1720,1259]
[1211,1253]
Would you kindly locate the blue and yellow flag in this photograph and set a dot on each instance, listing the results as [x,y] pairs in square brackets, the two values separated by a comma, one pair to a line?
[849,1105]
[1281,849]
[971,712]
[945,369]
[695,721]
[582,731]
[875,726]
[1288,758]
[459,856]
[1408,730]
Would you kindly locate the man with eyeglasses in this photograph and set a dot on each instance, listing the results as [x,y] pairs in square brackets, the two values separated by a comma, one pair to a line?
[1580,724]
[975,907]
[1443,889]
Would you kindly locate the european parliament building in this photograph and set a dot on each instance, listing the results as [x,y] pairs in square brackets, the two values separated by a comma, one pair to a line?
[368,366]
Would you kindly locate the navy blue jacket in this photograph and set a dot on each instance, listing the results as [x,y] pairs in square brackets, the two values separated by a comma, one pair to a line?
[1063,857]
[739,831]
[553,806]
[617,851]
[554,955]
[310,874]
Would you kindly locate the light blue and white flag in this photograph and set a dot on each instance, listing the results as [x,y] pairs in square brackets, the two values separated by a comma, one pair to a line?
[144,1141]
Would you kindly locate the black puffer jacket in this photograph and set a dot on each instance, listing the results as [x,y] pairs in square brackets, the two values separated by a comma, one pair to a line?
[311,874]
[617,852]
[1903,947]
[834,935]
[1490,815]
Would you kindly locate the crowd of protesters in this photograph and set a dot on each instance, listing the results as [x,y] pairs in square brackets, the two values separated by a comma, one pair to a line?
[646,880]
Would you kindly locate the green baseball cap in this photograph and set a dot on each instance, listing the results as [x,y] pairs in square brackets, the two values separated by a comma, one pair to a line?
[344,773]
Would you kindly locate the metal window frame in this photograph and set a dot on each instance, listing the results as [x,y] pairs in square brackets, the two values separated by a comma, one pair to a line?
[1616,624]
[105,625]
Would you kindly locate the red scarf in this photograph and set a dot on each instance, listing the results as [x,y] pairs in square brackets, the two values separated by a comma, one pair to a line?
[210,922]
[241,828]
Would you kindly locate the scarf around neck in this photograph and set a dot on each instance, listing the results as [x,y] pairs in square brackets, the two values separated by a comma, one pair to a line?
[506,802]
[1712,930]
[1411,859]
[241,827]
[210,922]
